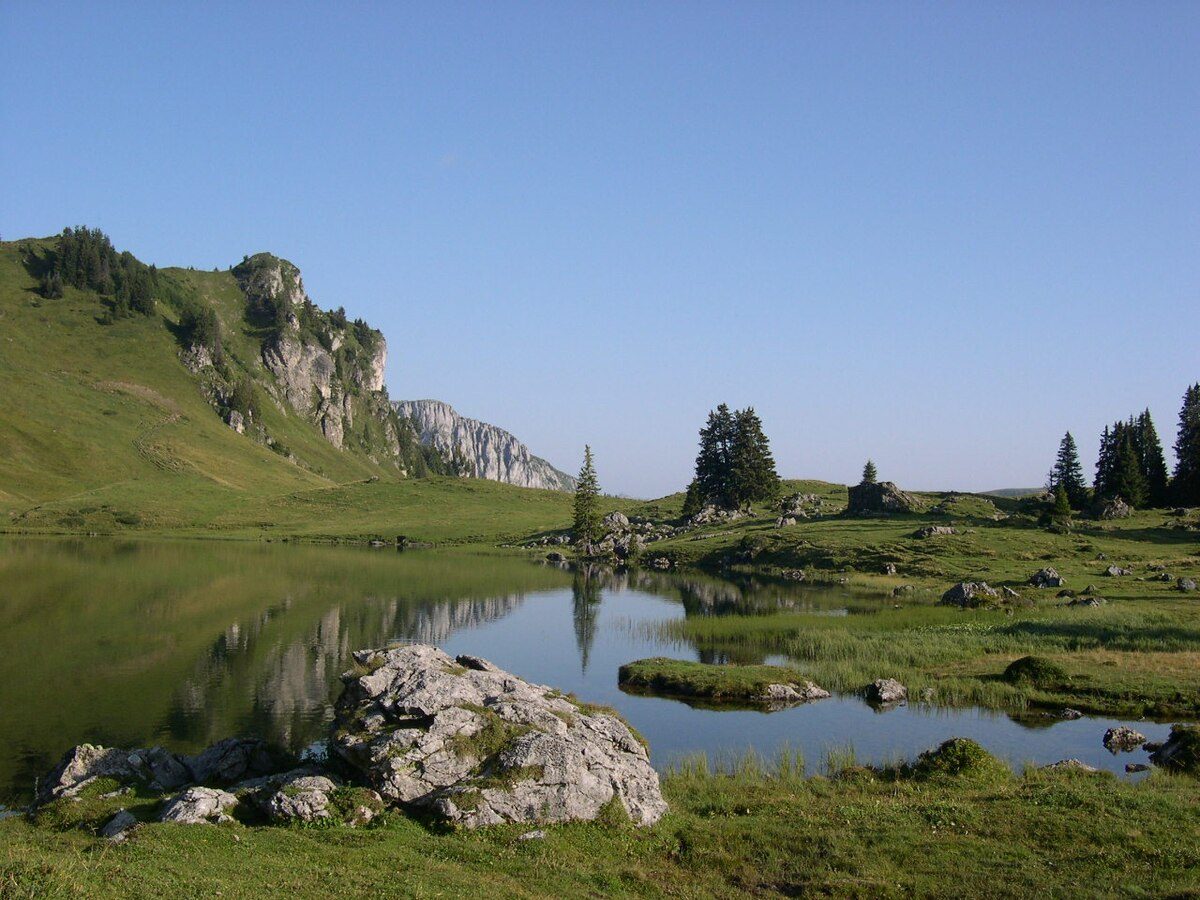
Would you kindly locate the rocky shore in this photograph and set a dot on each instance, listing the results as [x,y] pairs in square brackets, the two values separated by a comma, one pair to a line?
[457,740]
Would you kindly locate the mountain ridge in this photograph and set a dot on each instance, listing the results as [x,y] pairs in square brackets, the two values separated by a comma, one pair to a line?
[478,449]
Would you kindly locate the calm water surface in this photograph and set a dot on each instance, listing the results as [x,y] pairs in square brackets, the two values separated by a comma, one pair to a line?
[183,643]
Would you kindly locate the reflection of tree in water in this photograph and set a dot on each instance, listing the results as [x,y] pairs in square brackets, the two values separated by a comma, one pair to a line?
[585,608]
[267,678]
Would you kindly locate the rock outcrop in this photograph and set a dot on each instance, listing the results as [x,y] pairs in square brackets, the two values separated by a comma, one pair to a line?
[1046,578]
[480,746]
[969,594]
[324,368]
[480,450]
[872,497]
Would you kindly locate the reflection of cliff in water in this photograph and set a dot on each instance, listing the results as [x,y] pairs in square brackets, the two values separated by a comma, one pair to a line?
[291,675]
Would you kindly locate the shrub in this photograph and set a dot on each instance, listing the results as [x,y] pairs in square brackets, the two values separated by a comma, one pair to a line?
[959,757]
[1035,670]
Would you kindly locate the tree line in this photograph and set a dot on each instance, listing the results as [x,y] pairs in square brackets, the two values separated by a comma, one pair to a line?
[1131,465]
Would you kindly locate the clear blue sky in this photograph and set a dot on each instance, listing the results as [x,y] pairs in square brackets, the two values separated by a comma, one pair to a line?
[935,234]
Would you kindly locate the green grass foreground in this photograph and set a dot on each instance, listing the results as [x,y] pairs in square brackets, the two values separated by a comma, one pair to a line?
[916,831]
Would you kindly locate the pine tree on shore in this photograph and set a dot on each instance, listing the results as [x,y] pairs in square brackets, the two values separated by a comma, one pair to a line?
[869,475]
[1068,473]
[587,502]
[1185,487]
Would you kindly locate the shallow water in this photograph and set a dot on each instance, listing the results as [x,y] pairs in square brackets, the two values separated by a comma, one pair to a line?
[182,643]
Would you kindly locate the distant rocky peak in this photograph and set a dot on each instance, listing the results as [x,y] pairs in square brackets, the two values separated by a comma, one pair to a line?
[480,449]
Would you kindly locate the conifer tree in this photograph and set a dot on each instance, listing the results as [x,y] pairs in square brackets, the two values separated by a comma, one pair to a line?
[714,461]
[1068,473]
[1062,504]
[869,473]
[692,501]
[752,467]
[1185,487]
[1127,481]
[1153,464]
[587,502]
[1104,463]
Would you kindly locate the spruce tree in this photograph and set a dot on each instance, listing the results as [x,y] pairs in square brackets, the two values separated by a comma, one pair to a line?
[1068,473]
[1185,487]
[714,461]
[1104,463]
[1127,481]
[1154,465]
[869,473]
[692,501]
[1062,504]
[752,467]
[587,502]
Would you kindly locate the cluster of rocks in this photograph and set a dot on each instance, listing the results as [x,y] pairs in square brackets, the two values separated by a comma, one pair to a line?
[1046,578]
[549,540]
[624,538]
[1117,572]
[798,506]
[457,737]
[781,696]
[208,787]
[875,497]
[710,514]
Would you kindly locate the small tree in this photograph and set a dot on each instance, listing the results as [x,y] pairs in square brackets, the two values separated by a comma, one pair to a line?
[1068,473]
[692,501]
[587,502]
[1062,504]
[869,473]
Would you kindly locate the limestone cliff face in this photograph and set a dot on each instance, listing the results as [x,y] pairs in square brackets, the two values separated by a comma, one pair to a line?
[326,369]
[481,450]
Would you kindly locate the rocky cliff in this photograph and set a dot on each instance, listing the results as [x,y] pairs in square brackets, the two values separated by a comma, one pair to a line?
[479,449]
[323,367]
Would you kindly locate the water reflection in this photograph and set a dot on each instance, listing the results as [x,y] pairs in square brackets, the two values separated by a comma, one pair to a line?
[182,643]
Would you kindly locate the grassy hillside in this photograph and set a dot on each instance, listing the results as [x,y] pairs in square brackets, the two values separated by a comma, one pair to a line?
[103,429]
[104,420]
